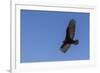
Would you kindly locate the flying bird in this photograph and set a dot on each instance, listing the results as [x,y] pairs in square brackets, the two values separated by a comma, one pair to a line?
[69,38]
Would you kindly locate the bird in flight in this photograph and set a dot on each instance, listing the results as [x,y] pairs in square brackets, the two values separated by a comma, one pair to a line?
[69,38]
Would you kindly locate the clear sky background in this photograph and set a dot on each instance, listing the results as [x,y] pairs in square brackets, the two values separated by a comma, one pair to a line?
[42,33]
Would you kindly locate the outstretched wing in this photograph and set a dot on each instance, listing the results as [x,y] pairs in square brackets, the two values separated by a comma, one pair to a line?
[70,31]
[65,47]
[72,28]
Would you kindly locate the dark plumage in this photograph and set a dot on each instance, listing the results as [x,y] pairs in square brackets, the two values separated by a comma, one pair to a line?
[70,33]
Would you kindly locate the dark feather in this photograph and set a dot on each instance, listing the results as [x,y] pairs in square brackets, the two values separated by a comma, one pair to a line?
[70,33]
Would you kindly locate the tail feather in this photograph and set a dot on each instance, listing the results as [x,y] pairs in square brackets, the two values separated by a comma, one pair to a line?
[76,42]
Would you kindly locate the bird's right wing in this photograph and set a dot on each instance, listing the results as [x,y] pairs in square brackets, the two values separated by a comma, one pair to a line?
[72,31]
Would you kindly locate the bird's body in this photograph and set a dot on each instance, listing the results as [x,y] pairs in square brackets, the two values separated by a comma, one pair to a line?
[70,32]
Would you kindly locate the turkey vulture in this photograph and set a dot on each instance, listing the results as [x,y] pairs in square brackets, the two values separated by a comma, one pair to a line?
[69,38]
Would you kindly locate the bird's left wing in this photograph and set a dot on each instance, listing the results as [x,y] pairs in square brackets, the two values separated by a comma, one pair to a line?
[65,47]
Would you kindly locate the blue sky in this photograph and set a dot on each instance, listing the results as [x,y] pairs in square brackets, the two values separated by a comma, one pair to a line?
[42,33]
